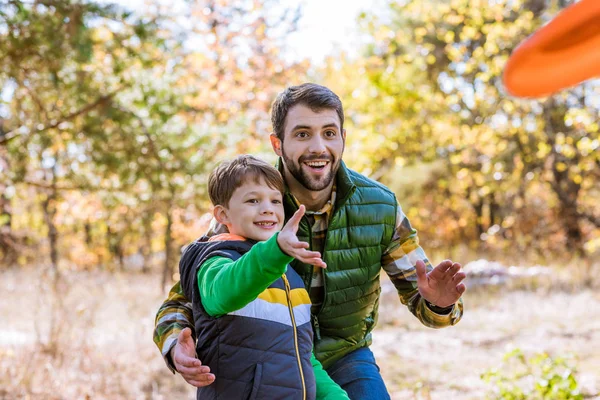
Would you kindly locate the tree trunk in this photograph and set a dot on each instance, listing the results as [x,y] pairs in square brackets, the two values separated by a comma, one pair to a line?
[167,267]
[8,250]
[115,246]
[87,228]
[49,208]
[146,248]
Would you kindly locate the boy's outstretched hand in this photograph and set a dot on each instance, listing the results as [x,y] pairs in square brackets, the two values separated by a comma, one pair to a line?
[288,242]
[442,285]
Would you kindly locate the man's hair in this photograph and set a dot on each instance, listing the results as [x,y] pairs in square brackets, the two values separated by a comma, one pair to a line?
[229,175]
[315,97]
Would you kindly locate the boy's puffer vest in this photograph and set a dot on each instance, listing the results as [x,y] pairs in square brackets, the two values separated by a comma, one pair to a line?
[359,232]
[252,351]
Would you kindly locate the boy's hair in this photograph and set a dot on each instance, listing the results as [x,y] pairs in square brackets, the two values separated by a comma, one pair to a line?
[229,175]
[314,96]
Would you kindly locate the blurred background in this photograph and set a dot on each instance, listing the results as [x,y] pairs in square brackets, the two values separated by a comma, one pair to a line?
[113,114]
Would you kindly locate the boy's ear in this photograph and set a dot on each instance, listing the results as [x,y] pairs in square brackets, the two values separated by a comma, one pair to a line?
[220,214]
[276,144]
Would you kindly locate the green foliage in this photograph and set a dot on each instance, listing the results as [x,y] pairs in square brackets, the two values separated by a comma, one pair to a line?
[118,116]
[536,377]
[510,174]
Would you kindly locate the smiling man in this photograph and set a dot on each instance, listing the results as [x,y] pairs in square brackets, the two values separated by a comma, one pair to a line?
[358,227]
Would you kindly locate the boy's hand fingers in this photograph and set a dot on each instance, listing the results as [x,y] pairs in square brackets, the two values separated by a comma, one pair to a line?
[295,220]
[315,260]
[300,245]
[307,254]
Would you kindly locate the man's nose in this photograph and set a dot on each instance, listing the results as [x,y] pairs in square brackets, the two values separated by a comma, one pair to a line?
[317,145]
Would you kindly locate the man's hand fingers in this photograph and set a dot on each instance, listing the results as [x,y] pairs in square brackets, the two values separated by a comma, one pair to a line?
[461,288]
[200,381]
[454,269]
[185,335]
[458,277]
[186,361]
[444,266]
[421,273]
[193,371]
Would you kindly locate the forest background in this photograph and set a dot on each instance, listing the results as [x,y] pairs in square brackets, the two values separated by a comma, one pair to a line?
[112,117]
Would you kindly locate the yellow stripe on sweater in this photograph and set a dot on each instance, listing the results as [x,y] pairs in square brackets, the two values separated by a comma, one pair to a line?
[274,295]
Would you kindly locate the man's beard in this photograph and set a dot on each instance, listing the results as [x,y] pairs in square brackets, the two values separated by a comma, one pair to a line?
[304,177]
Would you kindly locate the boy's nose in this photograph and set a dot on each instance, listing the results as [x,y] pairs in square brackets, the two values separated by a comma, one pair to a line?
[267,208]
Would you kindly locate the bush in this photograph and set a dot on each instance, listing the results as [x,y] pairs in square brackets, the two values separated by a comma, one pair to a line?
[538,377]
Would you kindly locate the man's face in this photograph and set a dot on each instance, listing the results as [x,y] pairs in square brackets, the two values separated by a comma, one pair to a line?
[255,211]
[312,146]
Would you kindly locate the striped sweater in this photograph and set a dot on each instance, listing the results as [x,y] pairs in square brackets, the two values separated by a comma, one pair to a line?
[252,319]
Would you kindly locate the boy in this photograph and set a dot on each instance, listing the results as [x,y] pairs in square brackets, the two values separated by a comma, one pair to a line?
[251,312]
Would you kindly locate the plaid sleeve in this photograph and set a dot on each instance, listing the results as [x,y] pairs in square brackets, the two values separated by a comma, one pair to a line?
[173,316]
[399,262]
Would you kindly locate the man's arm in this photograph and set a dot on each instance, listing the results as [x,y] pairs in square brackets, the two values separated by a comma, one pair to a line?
[173,316]
[399,262]
[327,389]
[174,336]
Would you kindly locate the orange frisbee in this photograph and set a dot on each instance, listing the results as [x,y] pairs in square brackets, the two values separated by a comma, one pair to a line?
[561,54]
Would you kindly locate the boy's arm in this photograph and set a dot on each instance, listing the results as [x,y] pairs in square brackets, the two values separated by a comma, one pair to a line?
[174,315]
[227,285]
[327,389]
[399,262]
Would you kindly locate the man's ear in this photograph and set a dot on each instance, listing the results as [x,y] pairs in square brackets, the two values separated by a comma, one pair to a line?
[276,144]
[220,214]
[343,134]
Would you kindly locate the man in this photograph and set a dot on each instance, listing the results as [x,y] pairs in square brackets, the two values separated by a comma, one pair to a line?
[358,227]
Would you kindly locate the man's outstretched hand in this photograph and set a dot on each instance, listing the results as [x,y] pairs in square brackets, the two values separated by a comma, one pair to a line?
[184,358]
[442,285]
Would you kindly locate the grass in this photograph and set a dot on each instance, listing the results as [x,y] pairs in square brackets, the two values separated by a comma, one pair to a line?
[102,344]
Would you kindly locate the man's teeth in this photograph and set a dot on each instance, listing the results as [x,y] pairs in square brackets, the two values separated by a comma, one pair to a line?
[317,164]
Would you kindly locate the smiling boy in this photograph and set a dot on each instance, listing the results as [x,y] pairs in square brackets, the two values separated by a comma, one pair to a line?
[252,312]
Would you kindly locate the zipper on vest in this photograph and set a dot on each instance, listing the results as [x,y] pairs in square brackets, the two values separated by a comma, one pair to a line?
[291,308]
[316,328]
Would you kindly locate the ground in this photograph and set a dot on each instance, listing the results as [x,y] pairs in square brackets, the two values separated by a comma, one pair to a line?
[103,345]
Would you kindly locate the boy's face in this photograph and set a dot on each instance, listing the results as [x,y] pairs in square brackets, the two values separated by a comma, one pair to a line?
[255,211]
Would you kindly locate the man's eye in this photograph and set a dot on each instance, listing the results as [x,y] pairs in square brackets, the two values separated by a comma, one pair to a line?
[330,133]
[302,134]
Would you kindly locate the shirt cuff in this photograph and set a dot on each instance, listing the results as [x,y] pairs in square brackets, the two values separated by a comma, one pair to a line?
[432,319]
[439,310]
[166,352]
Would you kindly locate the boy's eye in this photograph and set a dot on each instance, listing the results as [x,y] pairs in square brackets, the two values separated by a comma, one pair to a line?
[276,201]
[253,201]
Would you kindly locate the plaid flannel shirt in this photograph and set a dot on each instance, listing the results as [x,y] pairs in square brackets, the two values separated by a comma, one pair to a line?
[398,261]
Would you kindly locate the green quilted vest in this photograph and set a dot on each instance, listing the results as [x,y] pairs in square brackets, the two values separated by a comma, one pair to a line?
[360,229]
